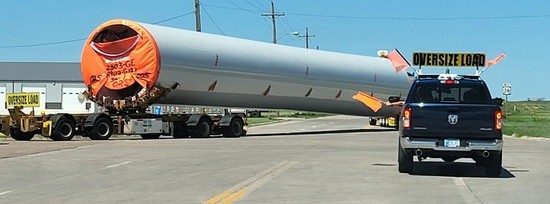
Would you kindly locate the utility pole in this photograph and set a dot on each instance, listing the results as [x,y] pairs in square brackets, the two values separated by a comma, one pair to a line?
[307,37]
[198,15]
[273,14]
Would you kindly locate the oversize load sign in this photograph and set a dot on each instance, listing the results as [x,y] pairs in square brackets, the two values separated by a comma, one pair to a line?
[30,99]
[449,59]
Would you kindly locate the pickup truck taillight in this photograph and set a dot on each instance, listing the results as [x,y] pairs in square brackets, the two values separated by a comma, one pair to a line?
[407,113]
[498,120]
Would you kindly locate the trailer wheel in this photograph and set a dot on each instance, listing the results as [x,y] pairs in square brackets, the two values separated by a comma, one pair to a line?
[102,130]
[180,131]
[255,114]
[150,136]
[19,135]
[202,130]
[235,128]
[64,130]
[372,121]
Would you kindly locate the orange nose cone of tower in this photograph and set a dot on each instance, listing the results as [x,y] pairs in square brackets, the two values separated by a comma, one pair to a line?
[120,59]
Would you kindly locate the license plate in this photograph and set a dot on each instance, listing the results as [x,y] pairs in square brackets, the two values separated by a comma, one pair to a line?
[452,142]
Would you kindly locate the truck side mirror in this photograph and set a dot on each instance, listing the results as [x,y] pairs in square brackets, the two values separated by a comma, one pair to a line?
[498,101]
[394,99]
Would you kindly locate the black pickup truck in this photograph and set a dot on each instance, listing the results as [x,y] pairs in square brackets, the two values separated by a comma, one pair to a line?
[450,116]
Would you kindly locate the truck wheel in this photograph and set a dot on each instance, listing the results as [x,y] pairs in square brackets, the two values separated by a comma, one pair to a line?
[405,160]
[180,131]
[102,130]
[19,135]
[494,165]
[255,114]
[235,128]
[64,130]
[150,136]
[202,130]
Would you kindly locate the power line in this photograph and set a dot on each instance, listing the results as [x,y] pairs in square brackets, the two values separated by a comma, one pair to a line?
[42,44]
[285,20]
[420,18]
[211,19]
[254,5]
[231,8]
[397,18]
[169,19]
[234,4]
[79,39]
[261,5]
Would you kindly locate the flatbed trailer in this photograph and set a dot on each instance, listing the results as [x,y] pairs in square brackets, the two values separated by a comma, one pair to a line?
[101,126]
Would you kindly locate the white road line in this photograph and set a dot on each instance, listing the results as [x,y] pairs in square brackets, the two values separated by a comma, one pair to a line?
[4,193]
[115,165]
[465,191]
[459,182]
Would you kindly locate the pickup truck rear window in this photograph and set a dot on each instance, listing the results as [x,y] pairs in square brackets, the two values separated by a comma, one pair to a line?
[441,93]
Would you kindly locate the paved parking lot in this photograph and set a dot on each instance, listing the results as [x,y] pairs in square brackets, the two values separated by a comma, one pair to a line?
[338,159]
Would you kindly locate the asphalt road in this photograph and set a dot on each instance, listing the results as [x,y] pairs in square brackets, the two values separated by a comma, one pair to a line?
[336,159]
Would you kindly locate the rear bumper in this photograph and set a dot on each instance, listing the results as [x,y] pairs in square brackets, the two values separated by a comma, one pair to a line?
[434,144]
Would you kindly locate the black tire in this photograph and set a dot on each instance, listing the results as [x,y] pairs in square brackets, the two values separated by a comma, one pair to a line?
[202,130]
[64,130]
[150,136]
[19,135]
[255,114]
[449,159]
[180,131]
[493,165]
[405,160]
[372,121]
[235,128]
[102,129]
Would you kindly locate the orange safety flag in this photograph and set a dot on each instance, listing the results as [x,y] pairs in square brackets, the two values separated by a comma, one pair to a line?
[398,61]
[370,101]
[118,60]
[496,60]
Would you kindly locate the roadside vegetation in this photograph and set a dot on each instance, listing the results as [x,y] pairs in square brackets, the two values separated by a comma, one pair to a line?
[527,118]
[278,116]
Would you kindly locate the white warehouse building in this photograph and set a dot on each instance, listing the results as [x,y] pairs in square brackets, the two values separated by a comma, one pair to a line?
[59,85]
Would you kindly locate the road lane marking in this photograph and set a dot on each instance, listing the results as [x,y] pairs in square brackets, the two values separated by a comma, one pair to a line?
[4,193]
[242,189]
[218,197]
[233,197]
[465,191]
[459,181]
[115,165]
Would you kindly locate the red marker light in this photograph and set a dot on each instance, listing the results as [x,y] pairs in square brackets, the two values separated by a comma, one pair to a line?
[407,113]
[498,120]
[449,81]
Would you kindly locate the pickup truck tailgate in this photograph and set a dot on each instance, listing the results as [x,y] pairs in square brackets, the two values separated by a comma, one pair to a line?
[456,121]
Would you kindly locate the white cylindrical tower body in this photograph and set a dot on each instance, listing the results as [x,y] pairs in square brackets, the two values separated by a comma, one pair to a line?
[215,70]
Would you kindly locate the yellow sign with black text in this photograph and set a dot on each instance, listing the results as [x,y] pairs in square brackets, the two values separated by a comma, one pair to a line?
[29,99]
[449,59]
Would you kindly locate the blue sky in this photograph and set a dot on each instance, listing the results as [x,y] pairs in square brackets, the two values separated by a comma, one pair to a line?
[34,30]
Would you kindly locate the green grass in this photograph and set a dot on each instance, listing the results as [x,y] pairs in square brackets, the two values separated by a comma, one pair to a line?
[529,118]
[277,116]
